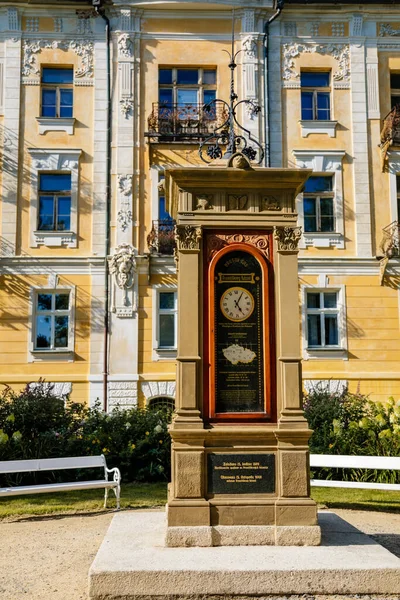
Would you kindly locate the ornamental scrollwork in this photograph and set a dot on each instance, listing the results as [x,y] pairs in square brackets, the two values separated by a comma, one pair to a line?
[84,50]
[217,241]
[188,237]
[125,46]
[125,184]
[126,105]
[123,266]
[386,29]
[287,238]
[340,52]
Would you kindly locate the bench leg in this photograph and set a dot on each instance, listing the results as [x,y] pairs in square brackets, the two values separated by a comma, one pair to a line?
[105,497]
[117,492]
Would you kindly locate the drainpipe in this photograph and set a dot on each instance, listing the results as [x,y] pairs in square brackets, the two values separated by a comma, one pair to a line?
[279,8]
[99,8]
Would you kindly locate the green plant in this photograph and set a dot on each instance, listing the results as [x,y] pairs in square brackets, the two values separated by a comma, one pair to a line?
[345,423]
[36,424]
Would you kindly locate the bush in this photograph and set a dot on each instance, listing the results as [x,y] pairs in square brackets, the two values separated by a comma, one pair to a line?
[35,424]
[345,423]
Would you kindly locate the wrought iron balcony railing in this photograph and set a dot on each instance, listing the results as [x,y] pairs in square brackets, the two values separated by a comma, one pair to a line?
[390,134]
[161,239]
[176,122]
[390,244]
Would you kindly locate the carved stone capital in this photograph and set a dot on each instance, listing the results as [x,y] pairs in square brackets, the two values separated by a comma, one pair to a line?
[188,237]
[287,238]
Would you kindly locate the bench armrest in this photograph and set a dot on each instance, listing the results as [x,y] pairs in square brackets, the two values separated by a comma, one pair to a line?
[116,476]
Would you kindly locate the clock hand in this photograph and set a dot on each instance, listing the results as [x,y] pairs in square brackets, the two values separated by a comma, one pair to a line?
[237,305]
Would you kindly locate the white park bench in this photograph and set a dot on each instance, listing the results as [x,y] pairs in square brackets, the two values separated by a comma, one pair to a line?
[58,464]
[337,461]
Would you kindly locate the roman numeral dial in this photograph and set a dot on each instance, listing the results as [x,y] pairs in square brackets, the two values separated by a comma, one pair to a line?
[237,304]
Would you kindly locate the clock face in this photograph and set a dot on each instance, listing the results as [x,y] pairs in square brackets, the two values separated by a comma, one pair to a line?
[237,304]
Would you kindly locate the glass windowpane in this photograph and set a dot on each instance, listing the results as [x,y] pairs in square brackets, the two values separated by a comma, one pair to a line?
[330,300]
[395,81]
[307,113]
[57,75]
[208,96]
[165,76]
[167,331]
[64,214]
[313,300]
[323,107]
[318,184]
[46,213]
[309,206]
[50,182]
[314,330]
[185,96]
[210,76]
[165,96]
[310,224]
[163,215]
[62,301]
[187,76]
[44,302]
[60,332]
[331,330]
[327,224]
[314,79]
[43,332]
[167,300]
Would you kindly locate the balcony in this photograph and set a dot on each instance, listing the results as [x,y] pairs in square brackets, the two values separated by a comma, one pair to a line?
[183,122]
[390,134]
[161,239]
[389,247]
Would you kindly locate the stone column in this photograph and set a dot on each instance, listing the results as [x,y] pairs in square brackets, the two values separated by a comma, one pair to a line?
[188,361]
[290,413]
[362,199]
[11,126]
[250,72]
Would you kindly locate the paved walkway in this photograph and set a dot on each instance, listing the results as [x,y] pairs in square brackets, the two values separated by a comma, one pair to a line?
[48,558]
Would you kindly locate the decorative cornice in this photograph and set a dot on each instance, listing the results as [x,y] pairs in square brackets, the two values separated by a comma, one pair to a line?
[340,52]
[287,238]
[188,237]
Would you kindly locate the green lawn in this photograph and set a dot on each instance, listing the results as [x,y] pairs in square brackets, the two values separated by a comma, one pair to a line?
[150,495]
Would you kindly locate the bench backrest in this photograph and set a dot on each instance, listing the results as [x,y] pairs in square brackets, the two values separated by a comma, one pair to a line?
[355,462]
[52,464]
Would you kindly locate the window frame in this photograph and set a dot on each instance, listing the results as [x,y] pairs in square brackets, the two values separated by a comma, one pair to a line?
[164,352]
[324,352]
[317,196]
[57,87]
[54,161]
[64,353]
[315,91]
[55,195]
[394,92]
[200,86]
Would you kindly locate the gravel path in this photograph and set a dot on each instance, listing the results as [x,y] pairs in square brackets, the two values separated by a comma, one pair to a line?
[48,558]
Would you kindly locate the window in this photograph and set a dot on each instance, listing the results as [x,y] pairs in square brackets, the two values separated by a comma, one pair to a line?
[186,87]
[162,403]
[52,325]
[315,96]
[394,89]
[318,204]
[54,202]
[57,92]
[322,319]
[167,320]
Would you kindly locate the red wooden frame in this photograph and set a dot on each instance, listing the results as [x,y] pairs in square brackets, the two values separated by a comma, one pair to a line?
[268,338]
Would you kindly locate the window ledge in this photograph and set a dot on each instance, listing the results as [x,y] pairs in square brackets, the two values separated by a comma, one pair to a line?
[54,238]
[325,354]
[328,127]
[323,239]
[66,124]
[164,353]
[63,355]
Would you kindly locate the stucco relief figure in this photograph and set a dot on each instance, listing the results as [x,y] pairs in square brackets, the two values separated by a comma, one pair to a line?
[122,265]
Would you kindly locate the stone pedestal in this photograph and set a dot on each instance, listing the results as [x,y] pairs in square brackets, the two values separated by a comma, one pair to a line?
[250,209]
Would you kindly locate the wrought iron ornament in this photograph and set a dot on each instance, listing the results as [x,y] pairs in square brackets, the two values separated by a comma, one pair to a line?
[231,133]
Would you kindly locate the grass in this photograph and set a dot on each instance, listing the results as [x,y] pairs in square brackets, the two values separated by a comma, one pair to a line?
[133,495]
[379,500]
[152,495]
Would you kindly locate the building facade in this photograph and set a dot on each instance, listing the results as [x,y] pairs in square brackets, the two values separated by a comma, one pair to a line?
[88,291]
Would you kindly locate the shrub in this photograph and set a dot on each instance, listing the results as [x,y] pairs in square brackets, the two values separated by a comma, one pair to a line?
[36,424]
[345,423]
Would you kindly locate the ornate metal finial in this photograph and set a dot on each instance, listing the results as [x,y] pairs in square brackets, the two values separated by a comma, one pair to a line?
[230,133]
